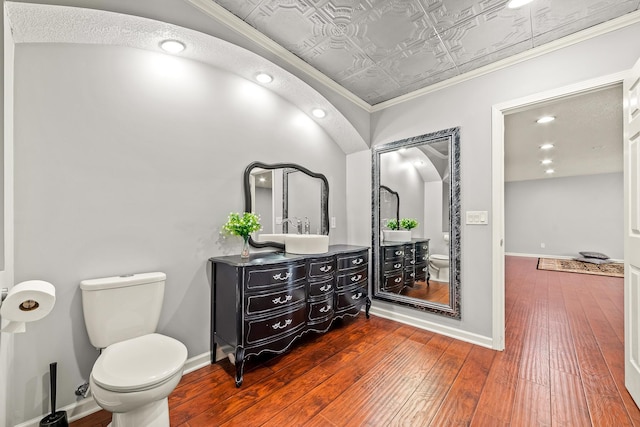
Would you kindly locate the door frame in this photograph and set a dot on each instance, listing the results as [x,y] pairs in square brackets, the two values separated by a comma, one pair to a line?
[498,112]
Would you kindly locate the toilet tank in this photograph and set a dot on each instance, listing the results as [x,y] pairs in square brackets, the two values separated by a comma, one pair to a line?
[122,307]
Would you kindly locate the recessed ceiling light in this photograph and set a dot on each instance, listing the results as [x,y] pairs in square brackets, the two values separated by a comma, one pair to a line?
[545,119]
[262,179]
[547,146]
[514,4]
[319,113]
[546,161]
[264,78]
[172,46]
[549,171]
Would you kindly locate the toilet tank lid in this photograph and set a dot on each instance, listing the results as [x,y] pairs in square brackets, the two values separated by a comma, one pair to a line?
[122,281]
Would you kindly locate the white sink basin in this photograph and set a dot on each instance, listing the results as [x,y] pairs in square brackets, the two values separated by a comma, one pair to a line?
[306,243]
[396,235]
[278,238]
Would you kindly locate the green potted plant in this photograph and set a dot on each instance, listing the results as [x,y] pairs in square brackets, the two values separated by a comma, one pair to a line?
[408,223]
[242,225]
[392,224]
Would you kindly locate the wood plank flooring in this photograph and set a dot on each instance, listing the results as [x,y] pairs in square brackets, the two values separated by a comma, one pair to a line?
[563,366]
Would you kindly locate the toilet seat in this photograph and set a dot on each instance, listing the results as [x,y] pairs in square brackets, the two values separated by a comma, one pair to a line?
[139,363]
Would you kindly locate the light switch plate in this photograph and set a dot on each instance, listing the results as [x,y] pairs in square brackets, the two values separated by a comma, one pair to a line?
[477,217]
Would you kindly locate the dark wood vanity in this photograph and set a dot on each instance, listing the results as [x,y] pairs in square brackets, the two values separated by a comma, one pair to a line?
[402,263]
[266,302]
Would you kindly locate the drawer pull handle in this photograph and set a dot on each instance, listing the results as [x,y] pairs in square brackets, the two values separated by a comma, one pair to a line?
[356,278]
[279,276]
[280,301]
[413,250]
[279,326]
[398,280]
[397,265]
[399,253]
[412,275]
[325,288]
[425,247]
[325,268]
[357,261]
[412,262]
[357,296]
[325,309]
[424,269]
[424,258]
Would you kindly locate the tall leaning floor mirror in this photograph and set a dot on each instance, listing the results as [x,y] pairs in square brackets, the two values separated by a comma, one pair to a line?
[416,222]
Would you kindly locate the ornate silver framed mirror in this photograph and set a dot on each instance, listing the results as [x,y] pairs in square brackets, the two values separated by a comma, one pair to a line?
[416,258]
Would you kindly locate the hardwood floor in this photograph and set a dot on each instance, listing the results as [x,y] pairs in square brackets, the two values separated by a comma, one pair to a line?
[563,366]
[437,292]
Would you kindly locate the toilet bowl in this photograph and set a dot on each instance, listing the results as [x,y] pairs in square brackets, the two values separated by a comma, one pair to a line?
[133,378]
[138,368]
[439,267]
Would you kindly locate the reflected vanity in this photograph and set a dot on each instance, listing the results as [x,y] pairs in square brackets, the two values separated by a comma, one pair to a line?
[418,178]
[266,302]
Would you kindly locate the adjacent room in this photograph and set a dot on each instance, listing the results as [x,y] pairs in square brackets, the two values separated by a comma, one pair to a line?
[319,213]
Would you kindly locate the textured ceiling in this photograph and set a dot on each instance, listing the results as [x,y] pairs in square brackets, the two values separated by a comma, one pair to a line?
[587,137]
[380,50]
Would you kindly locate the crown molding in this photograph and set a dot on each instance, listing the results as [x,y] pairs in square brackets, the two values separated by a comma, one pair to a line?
[231,21]
[586,34]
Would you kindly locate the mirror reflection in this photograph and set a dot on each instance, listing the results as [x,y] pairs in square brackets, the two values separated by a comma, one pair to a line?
[289,199]
[416,205]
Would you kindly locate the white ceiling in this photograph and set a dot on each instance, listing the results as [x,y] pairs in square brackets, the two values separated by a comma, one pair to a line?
[587,137]
[380,50]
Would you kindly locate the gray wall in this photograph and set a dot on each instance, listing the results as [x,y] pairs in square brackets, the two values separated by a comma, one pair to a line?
[404,179]
[468,105]
[568,215]
[130,161]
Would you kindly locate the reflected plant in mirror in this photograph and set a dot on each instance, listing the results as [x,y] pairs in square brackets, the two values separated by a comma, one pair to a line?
[416,222]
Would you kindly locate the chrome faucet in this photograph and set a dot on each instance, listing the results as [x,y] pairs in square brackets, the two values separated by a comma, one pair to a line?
[307,225]
[293,221]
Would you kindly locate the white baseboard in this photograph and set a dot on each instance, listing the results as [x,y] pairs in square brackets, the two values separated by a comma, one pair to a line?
[433,327]
[88,406]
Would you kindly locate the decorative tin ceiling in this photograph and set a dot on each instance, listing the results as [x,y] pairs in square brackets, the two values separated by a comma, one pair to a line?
[380,50]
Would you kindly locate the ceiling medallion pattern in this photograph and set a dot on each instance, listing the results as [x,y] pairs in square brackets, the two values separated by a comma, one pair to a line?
[380,50]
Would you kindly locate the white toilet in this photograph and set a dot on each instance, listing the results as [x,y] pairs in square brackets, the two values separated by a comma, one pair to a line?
[439,264]
[137,368]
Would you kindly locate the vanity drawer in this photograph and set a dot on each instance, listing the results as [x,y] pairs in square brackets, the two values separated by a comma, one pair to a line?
[422,257]
[422,248]
[268,328]
[409,251]
[261,278]
[321,288]
[358,276]
[409,276]
[353,260]
[321,267]
[320,310]
[393,265]
[421,271]
[265,302]
[349,298]
[394,252]
[393,283]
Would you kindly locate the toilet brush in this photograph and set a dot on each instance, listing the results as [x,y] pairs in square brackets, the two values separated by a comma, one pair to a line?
[55,418]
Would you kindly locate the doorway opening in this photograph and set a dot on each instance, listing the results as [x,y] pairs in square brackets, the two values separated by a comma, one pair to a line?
[499,114]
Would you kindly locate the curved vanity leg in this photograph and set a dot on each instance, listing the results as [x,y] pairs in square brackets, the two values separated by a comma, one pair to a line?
[368,306]
[239,365]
